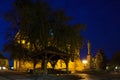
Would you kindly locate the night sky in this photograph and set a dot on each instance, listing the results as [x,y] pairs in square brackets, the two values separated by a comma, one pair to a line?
[100,16]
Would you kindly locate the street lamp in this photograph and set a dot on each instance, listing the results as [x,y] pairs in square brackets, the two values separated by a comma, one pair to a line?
[84,62]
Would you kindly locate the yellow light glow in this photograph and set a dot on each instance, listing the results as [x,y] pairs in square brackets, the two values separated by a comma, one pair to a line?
[18,41]
[23,41]
[28,43]
[84,61]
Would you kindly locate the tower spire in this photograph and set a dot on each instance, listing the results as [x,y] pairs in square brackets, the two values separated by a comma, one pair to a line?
[89,47]
[89,57]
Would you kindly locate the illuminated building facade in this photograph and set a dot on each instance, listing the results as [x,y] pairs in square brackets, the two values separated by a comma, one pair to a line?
[73,65]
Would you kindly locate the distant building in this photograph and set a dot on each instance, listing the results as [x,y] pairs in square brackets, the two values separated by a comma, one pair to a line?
[96,62]
[4,63]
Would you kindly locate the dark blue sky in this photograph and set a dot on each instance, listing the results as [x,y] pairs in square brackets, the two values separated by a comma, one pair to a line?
[101,17]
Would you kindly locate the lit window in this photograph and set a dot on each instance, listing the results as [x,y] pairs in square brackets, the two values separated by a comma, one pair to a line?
[23,41]
[28,43]
[18,41]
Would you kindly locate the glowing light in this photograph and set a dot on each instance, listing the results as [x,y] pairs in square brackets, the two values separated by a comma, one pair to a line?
[84,61]
[4,67]
[12,67]
[107,67]
[116,67]
[28,43]
[18,41]
[23,41]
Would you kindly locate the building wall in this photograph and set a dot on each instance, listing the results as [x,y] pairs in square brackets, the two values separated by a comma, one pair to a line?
[4,63]
[72,66]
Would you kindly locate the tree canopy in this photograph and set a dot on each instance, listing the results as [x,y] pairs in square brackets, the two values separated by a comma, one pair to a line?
[115,60]
[41,27]
[101,60]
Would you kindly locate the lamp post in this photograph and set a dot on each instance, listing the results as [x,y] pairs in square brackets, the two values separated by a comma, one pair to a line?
[84,62]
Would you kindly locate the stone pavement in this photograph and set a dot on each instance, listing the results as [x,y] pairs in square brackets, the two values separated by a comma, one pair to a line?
[3,78]
[13,75]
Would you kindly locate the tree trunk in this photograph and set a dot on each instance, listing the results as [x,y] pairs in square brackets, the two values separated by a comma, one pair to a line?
[34,65]
[44,64]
